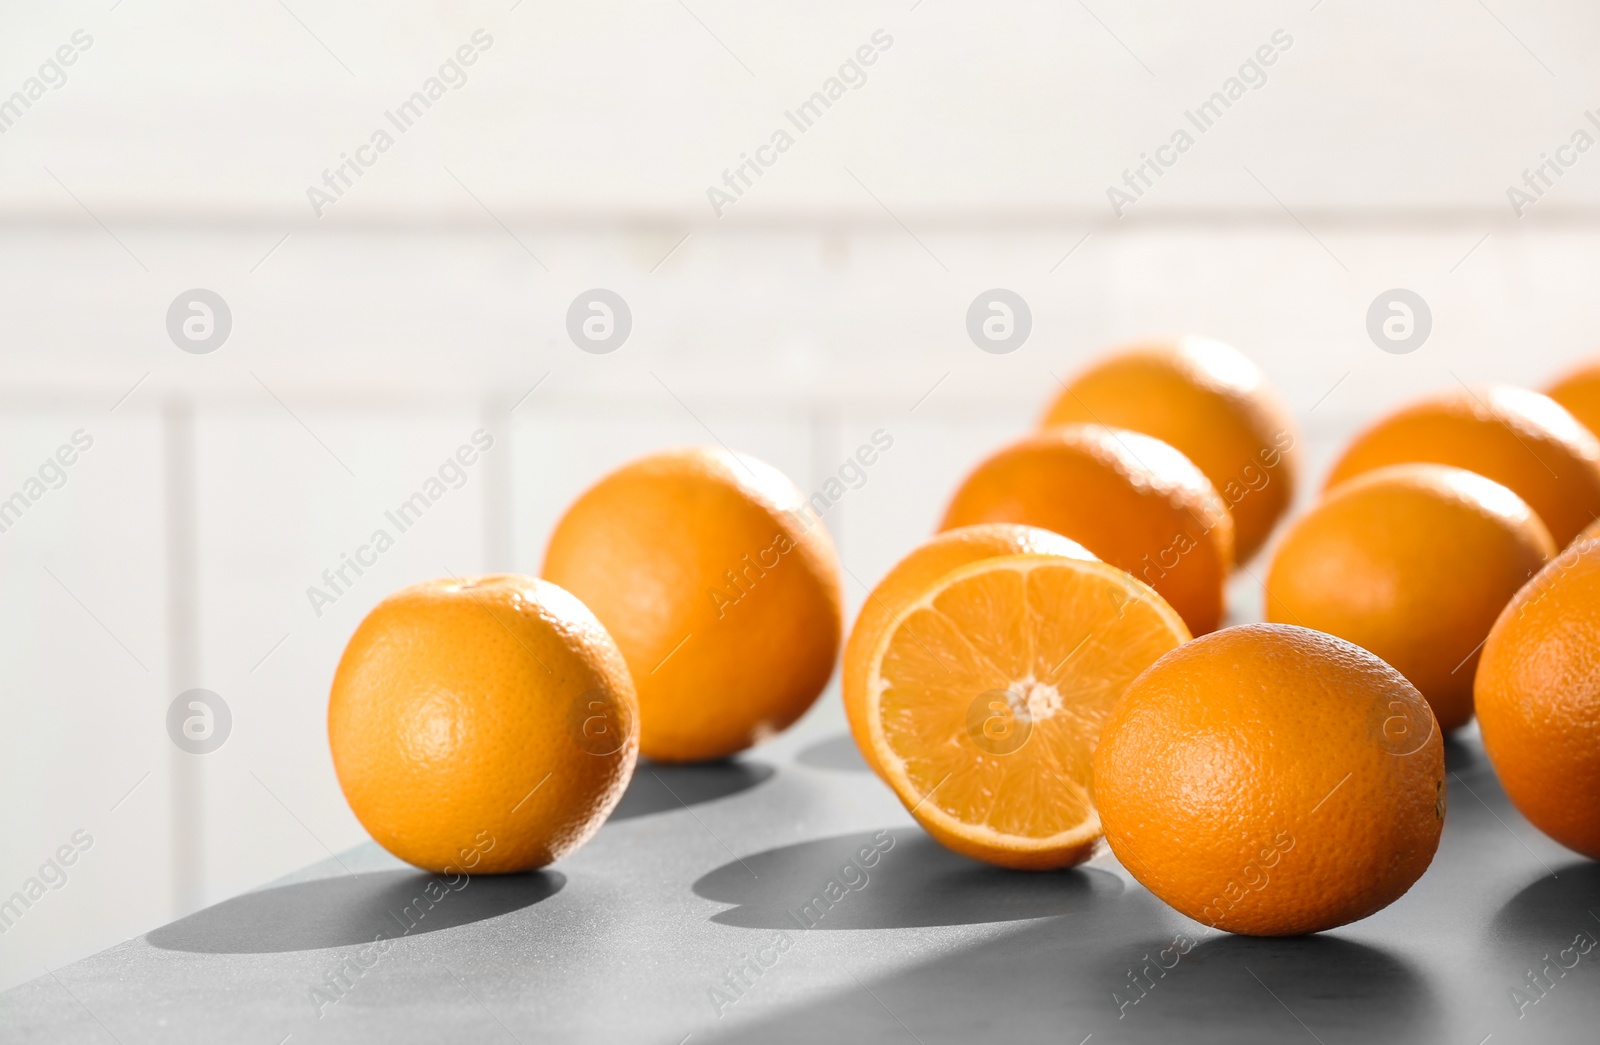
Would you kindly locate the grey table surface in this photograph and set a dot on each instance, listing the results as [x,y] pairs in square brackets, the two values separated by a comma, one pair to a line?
[634,939]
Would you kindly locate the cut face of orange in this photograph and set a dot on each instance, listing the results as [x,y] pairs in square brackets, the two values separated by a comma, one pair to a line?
[986,697]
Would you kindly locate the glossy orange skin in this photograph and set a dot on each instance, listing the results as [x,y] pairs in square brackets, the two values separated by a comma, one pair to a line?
[1538,698]
[721,587]
[1271,780]
[1579,392]
[1214,405]
[1520,439]
[907,581]
[1131,500]
[455,723]
[1413,562]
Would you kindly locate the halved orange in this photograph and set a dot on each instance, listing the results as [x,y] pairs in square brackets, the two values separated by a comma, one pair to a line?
[986,696]
[910,578]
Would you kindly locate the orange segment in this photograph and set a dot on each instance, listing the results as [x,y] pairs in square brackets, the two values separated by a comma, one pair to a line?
[907,580]
[987,694]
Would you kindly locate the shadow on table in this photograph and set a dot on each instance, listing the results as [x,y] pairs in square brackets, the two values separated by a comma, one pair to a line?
[891,879]
[1549,914]
[1065,981]
[1340,989]
[661,787]
[337,912]
[1461,756]
[838,753]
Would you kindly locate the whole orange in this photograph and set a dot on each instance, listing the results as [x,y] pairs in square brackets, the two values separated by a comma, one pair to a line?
[1413,562]
[1538,697]
[720,585]
[482,725]
[1214,405]
[1579,392]
[1518,438]
[1272,780]
[1132,500]
[907,582]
